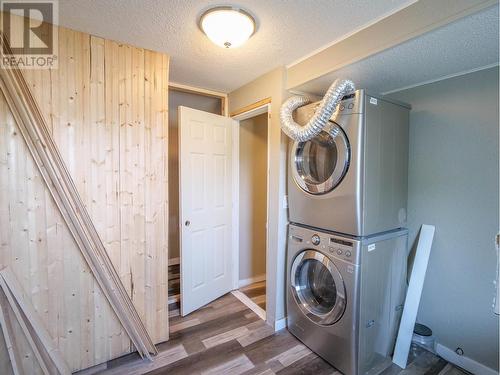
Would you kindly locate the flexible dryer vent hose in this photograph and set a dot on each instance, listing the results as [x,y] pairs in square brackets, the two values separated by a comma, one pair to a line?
[324,112]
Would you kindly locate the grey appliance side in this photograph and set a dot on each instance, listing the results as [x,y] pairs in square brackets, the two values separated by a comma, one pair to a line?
[382,285]
[385,166]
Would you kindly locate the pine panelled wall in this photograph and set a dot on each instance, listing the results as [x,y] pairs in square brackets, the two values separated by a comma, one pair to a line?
[106,105]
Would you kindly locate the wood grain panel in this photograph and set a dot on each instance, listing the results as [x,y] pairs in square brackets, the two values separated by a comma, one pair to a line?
[106,106]
[156,205]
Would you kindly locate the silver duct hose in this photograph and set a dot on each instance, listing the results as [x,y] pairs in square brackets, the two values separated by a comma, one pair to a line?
[318,121]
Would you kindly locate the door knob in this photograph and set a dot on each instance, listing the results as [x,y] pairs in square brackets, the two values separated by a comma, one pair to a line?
[187,223]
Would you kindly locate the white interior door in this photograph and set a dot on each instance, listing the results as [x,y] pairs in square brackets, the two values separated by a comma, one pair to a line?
[205,183]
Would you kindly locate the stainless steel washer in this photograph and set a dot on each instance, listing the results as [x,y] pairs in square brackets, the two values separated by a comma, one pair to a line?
[345,295]
[352,177]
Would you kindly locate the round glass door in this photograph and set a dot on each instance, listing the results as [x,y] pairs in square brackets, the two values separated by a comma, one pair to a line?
[317,287]
[321,163]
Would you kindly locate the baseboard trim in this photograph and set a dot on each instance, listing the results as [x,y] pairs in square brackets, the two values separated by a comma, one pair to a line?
[279,324]
[464,362]
[174,261]
[251,280]
[261,313]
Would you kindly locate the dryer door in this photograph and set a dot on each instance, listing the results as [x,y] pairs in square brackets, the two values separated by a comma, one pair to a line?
[321,163]
[318,287]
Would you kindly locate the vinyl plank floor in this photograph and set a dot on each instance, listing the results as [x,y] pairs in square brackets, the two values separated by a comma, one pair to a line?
[225,337]
[256,292]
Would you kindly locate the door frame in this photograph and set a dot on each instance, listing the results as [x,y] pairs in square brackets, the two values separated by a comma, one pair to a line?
[251,112]
[223,97]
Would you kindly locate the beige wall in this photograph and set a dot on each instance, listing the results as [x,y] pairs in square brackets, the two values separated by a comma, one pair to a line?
[271,85]
[252,196]
[453,184]
[176,99]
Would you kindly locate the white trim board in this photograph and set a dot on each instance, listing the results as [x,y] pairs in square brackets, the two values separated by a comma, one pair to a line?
[261,313]
[280,324]
[251,280]
[464,362]
[413,295]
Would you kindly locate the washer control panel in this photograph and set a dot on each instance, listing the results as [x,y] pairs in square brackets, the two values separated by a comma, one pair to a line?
[333,245]
[342,248]
[315,240]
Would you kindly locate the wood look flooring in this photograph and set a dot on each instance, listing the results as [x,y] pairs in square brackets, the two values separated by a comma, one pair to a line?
[227,338]
[256,292]
[174,290]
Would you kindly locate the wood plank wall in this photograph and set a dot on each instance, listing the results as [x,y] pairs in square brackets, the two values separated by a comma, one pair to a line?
[107,107]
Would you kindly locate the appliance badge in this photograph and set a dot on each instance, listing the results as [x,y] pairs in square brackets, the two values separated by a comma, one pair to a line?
[373,101]
[372,247]
[350,269]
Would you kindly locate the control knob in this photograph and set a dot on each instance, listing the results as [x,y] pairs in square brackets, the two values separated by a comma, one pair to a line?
[315,240]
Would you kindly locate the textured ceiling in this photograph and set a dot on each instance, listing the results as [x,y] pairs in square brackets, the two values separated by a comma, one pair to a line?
[287,30]
[464,45]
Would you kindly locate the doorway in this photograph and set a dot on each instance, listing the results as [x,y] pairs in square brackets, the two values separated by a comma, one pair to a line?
[210,209]
[211,102]
[252,186]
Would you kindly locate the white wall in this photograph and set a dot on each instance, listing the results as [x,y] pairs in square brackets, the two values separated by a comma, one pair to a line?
[454,185]
[252,196]
[176,99]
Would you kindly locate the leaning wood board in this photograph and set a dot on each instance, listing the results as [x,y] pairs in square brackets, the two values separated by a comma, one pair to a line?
[14,299]
[413,295]
[82,102]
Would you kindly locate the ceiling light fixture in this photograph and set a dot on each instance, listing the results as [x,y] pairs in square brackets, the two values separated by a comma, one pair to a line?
[227,26]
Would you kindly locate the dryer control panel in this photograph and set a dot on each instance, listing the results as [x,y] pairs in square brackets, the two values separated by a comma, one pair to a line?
[349,105]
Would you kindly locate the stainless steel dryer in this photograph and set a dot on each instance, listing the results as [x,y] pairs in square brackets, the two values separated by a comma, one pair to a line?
[345,296]
[355,182]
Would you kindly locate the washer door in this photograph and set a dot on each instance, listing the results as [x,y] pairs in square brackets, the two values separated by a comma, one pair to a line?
[321,163]
[318,287]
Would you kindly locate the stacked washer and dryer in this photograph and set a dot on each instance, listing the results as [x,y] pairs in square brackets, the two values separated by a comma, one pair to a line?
[347,246]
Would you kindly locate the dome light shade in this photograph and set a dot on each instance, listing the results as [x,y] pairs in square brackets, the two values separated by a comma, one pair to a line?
[227,26]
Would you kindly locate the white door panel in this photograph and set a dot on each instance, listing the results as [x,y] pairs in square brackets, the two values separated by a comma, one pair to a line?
[205,163]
